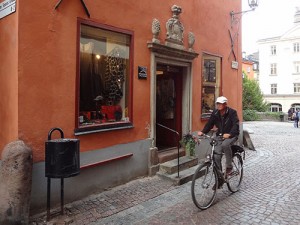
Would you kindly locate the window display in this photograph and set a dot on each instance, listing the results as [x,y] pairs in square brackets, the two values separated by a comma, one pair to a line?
[104,77]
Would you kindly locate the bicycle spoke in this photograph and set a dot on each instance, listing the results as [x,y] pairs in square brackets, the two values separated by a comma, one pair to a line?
[235,178]
[204,180]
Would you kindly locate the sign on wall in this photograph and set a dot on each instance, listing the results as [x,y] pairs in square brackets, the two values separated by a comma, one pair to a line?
[7,7]
[234,65]
[142,72]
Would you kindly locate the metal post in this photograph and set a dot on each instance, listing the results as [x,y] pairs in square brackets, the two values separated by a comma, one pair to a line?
[48,198]
[62,196]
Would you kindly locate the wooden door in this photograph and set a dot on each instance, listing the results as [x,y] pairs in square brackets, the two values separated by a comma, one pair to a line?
[168,107]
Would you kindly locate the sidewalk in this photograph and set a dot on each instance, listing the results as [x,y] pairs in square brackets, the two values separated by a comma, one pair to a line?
[121,198]
[107,203]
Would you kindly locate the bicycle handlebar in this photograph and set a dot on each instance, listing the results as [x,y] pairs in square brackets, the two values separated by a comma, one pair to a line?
[217,138]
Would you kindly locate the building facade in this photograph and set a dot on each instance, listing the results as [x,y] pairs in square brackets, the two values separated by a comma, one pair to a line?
[250,66]
[279,59]
[114,75]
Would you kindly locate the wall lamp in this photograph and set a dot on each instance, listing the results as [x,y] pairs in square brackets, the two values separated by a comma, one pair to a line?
[252,4]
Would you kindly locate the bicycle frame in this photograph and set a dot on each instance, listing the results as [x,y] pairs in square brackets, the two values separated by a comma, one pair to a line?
[210,158]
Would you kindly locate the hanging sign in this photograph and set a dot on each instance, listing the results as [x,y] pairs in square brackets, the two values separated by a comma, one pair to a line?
[7,7]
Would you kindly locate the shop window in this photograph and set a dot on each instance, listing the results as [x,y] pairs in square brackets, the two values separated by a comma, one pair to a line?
[210,83]
[104,78]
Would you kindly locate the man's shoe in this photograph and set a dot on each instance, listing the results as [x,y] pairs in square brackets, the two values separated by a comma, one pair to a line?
[229,171]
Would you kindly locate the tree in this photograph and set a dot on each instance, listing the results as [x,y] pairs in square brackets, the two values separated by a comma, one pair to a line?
[252,96]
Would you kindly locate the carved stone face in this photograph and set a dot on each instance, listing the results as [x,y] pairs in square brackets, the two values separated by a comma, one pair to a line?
[176,9]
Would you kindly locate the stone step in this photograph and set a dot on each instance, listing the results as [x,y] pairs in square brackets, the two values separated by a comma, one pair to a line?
[184,176]
[167,155]
[171,166]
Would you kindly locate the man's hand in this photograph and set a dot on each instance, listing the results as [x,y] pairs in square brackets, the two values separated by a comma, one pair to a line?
[200,133]
[226,136]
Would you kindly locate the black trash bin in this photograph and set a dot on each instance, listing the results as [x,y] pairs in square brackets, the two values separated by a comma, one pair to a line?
[281,117]
[61,161]
[62,157]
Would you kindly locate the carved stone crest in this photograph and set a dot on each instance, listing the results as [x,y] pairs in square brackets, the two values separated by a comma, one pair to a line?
[175,29]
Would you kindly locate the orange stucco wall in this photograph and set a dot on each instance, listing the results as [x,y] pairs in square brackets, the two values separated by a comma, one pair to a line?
[47,62]
[245,67]
[8,79]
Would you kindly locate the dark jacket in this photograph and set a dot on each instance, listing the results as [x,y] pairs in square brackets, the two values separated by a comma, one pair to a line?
[228,125]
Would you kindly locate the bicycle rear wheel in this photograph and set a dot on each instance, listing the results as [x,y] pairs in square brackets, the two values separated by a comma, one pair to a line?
[234,181]
[204,179]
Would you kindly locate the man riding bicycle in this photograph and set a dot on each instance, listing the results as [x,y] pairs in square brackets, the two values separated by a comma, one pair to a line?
[227,122]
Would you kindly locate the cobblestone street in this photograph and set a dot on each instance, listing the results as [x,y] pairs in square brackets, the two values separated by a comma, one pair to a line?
[269,193]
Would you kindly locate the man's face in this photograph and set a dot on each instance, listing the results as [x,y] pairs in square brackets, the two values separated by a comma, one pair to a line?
[221,106]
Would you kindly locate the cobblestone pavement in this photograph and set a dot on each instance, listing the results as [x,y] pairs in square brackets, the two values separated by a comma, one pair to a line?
[269,193]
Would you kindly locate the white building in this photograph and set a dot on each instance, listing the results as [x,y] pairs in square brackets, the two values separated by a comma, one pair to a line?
[279,61]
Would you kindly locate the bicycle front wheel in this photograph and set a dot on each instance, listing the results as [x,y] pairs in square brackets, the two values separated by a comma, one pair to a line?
[204,186]
[235,179]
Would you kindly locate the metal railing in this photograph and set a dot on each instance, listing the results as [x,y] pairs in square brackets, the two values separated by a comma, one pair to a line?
[178,137]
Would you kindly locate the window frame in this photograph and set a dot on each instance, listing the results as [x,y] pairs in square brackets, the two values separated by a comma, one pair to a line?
[207,84]
[297,67]
[296,46]
[106,126]
[273,50]
[273,89]
[273,69]
[275,107]
[296,86]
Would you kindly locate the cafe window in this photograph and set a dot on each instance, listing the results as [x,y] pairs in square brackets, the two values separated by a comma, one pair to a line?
[104,78]
[211,78]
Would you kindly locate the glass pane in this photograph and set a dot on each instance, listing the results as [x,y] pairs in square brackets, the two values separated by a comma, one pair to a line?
[208,100]
[209,70]
[104,77]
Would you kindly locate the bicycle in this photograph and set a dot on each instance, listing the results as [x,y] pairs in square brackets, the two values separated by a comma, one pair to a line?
[206,177]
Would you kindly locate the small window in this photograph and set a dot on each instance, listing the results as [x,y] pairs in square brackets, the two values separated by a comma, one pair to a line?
[297,67]
[104,78]
[273,69]
[296,88]
[296,48]
[255,66]
[211,77]
[273,49]
[273,89]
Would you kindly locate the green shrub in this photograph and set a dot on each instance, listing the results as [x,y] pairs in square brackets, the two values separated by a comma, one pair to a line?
[250,115]
[275,115]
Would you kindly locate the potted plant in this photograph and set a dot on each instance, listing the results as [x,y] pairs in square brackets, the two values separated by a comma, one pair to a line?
[189,142]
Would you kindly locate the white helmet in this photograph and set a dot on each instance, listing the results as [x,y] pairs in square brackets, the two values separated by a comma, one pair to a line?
[221,100]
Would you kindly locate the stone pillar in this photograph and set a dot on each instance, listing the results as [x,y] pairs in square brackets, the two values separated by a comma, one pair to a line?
[15,184]
[153,161]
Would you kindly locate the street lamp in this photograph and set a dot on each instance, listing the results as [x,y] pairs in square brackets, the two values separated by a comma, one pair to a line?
[252,4]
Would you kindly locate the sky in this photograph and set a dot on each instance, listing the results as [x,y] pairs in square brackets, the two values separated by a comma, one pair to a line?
[271,18]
